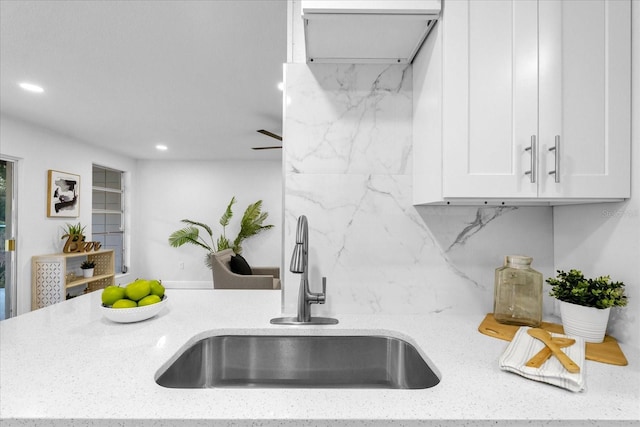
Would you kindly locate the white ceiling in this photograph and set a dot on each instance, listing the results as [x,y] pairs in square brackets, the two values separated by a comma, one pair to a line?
[198,76]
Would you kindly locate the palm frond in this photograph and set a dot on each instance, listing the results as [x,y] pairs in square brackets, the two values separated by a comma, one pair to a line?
[199,224]
[187,235]
[228,213]
[223,243]
[251,224]
[252,212]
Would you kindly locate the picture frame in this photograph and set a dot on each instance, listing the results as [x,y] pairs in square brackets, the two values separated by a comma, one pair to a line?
[63,195]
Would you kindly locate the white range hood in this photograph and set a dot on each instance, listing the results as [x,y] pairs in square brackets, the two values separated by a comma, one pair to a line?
[361,31]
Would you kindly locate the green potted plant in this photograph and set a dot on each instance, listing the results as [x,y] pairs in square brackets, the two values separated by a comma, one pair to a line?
[250,225]
[74,230]
[74,233]
[585,303]
[87,268]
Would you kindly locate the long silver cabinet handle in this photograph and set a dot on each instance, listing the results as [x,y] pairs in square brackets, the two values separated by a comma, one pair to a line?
[532,149]
[556,152]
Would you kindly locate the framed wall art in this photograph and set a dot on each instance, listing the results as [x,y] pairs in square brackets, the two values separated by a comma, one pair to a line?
[63,195]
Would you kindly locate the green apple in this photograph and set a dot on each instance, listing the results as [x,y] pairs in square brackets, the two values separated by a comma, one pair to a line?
[148,300]
[137,289]
[124,303]
[111,294]
[157,288]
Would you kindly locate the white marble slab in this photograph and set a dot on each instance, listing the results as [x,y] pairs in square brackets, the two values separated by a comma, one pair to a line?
[347,162]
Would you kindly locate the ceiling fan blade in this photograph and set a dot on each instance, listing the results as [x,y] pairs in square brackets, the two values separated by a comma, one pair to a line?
[271,134]
[273,147]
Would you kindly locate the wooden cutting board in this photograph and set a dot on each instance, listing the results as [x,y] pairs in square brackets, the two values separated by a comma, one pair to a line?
[607,351]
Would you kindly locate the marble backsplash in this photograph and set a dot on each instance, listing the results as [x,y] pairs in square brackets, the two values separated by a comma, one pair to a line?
[347,167]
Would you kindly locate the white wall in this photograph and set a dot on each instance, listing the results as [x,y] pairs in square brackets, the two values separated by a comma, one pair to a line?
[604,239]
[169,191]
[37,151]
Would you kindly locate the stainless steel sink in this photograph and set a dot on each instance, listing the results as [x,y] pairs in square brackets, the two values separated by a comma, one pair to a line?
[299,362]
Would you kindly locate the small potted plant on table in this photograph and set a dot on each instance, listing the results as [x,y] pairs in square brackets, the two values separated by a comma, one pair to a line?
[585,303]
[87,268]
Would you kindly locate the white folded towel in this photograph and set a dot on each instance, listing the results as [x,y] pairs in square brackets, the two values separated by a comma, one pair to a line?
[523,347]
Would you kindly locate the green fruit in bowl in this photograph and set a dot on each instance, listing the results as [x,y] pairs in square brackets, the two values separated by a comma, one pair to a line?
[157,288]
[137,289]
[111,294]
[148,300]
[124,303]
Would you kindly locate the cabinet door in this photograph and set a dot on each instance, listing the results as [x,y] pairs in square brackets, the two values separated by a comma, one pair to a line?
[490,98]
[585,98]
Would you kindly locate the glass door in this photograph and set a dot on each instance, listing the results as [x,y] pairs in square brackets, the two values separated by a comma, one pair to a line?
[7,240]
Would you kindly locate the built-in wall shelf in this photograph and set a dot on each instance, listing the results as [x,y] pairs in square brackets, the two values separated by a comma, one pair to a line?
[50,273]
[86,280]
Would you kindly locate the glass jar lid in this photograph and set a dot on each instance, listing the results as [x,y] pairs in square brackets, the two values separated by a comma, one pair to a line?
[519,261]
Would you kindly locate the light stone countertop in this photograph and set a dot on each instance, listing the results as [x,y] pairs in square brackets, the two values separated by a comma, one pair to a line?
[67,365]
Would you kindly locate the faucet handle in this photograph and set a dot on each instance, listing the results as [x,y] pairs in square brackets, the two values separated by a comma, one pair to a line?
[323,296]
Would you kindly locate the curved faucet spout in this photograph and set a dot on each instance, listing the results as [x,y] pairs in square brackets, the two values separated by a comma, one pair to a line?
[299,259]
[302,230]
[300,265]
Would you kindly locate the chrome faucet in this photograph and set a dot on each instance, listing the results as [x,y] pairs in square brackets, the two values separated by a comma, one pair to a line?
[300,265]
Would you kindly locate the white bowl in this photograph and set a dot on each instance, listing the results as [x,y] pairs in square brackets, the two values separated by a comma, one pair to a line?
[134,314]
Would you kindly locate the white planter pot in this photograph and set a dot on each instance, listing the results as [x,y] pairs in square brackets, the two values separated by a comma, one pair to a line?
[586,322]
[87,272]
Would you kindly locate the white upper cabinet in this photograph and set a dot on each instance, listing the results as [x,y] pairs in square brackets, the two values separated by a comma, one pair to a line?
[524,102]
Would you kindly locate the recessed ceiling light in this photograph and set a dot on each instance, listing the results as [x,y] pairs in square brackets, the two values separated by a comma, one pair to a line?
[161,147]
[30,87]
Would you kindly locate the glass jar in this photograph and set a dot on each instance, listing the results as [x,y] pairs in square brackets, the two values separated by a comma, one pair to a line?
[517,297]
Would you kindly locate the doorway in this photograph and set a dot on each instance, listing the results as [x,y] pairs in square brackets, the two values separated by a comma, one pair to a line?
[7,240]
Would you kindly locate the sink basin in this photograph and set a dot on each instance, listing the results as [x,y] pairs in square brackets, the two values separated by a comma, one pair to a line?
[299,362]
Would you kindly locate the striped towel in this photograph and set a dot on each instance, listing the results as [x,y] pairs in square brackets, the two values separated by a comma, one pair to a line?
[523,347]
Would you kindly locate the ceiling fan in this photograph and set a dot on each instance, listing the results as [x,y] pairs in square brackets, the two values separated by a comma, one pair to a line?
[272,135]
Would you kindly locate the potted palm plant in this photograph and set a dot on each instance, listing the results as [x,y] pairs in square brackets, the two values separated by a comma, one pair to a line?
[250,225]
[585,303]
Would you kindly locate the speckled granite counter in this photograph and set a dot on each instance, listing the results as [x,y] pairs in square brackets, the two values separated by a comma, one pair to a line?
[67,365]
